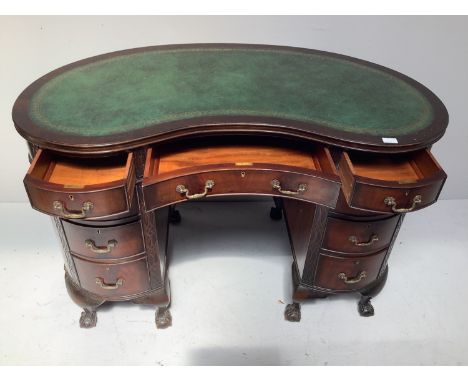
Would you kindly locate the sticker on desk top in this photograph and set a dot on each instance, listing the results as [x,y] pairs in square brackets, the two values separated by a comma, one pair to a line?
[390,140]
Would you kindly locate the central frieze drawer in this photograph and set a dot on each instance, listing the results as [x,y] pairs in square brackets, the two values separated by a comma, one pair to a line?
[191,173]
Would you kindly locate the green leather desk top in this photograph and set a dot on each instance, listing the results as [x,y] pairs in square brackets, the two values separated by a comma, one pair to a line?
[125,98]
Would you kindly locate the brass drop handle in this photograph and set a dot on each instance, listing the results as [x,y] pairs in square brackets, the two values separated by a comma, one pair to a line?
[105,249]
[60,207]
[354,240]
[103,285]
[275,183]
[181,189]
[355,280]
[390,201]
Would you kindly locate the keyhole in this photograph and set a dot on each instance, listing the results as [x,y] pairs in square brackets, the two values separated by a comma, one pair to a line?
[243,174]
[70,197]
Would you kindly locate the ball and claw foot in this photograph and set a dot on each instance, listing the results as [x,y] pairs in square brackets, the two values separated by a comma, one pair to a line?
[174,217]
[292,313]
[163,318]
[88,319]
[276,213]
[365,307]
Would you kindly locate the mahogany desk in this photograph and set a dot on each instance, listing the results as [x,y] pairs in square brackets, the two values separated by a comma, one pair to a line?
[118,140]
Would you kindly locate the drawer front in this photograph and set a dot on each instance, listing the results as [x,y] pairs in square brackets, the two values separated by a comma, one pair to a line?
[78,205]
[391,184]
[105,243]
[358,236]
[79,201]
[345,273]
[395,199]
[113,280]
[133,212]
[242,181]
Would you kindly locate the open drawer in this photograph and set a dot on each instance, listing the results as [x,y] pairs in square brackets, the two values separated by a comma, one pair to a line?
[78,188]
[205,170]
[393,183]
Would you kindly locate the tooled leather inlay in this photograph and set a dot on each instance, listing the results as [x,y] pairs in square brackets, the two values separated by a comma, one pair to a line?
[147,88]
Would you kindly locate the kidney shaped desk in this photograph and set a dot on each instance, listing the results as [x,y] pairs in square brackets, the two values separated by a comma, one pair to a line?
[118,140]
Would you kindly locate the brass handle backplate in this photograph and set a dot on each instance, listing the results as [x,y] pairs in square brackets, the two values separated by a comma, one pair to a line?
[103,285]
[60,207]
[275,183]
[354,280]
[105,249]
[354,240]
[181,189]
[390,201]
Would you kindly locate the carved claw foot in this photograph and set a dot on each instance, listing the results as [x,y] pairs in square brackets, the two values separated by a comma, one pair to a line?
[276,213]
[174,217]
[163,318]
[88,319]
[292,312]
[365,307]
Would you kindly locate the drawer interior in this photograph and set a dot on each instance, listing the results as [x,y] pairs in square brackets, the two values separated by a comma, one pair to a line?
[241,154]
[401,168]
[74,172]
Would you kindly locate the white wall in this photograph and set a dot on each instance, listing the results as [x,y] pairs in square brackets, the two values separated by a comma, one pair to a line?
[432,50]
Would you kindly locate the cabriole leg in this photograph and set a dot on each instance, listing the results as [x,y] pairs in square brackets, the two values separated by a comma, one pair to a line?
[292,312]
[86,300]
[276,212]
[88,318]
[174,215]
[163,317]
[161,298]
[365,307]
